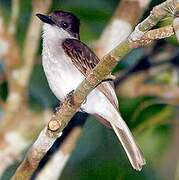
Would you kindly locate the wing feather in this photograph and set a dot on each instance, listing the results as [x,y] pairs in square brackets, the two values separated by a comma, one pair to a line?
[82,57]
[85,60]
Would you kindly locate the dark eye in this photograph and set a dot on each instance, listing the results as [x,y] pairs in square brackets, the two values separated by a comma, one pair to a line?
[64,25]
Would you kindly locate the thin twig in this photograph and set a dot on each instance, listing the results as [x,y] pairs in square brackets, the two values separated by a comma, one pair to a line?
[154,34]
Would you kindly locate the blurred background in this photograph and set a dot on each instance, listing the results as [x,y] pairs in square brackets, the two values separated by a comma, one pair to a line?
[146,85]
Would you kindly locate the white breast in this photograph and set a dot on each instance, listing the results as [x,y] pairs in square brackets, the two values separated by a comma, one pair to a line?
[62,75]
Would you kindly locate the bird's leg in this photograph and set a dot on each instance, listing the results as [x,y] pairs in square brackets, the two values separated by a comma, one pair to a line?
[110,77]
[58,106]
[69,98]
[84,101]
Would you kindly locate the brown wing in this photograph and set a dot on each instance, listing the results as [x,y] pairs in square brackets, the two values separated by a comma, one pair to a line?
[82,57]
[85,60]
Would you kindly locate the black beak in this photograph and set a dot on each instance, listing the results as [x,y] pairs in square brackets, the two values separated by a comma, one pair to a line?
[45,19]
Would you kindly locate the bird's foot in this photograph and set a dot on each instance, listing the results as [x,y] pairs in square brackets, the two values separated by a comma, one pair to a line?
[58,107]
[110,77]
[69,98]
[84,102]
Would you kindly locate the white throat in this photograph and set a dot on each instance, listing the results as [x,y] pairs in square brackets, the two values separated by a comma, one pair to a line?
[61,74]
[54,33]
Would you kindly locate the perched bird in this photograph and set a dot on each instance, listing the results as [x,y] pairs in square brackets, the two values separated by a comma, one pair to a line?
[67,61]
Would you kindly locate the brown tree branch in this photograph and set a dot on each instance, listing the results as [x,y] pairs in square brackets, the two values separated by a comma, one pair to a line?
[154,34]
[60,157]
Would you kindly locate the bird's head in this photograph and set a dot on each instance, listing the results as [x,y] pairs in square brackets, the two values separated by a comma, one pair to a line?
[60,24]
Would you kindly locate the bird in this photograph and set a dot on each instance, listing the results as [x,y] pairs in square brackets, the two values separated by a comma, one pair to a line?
[67,61]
